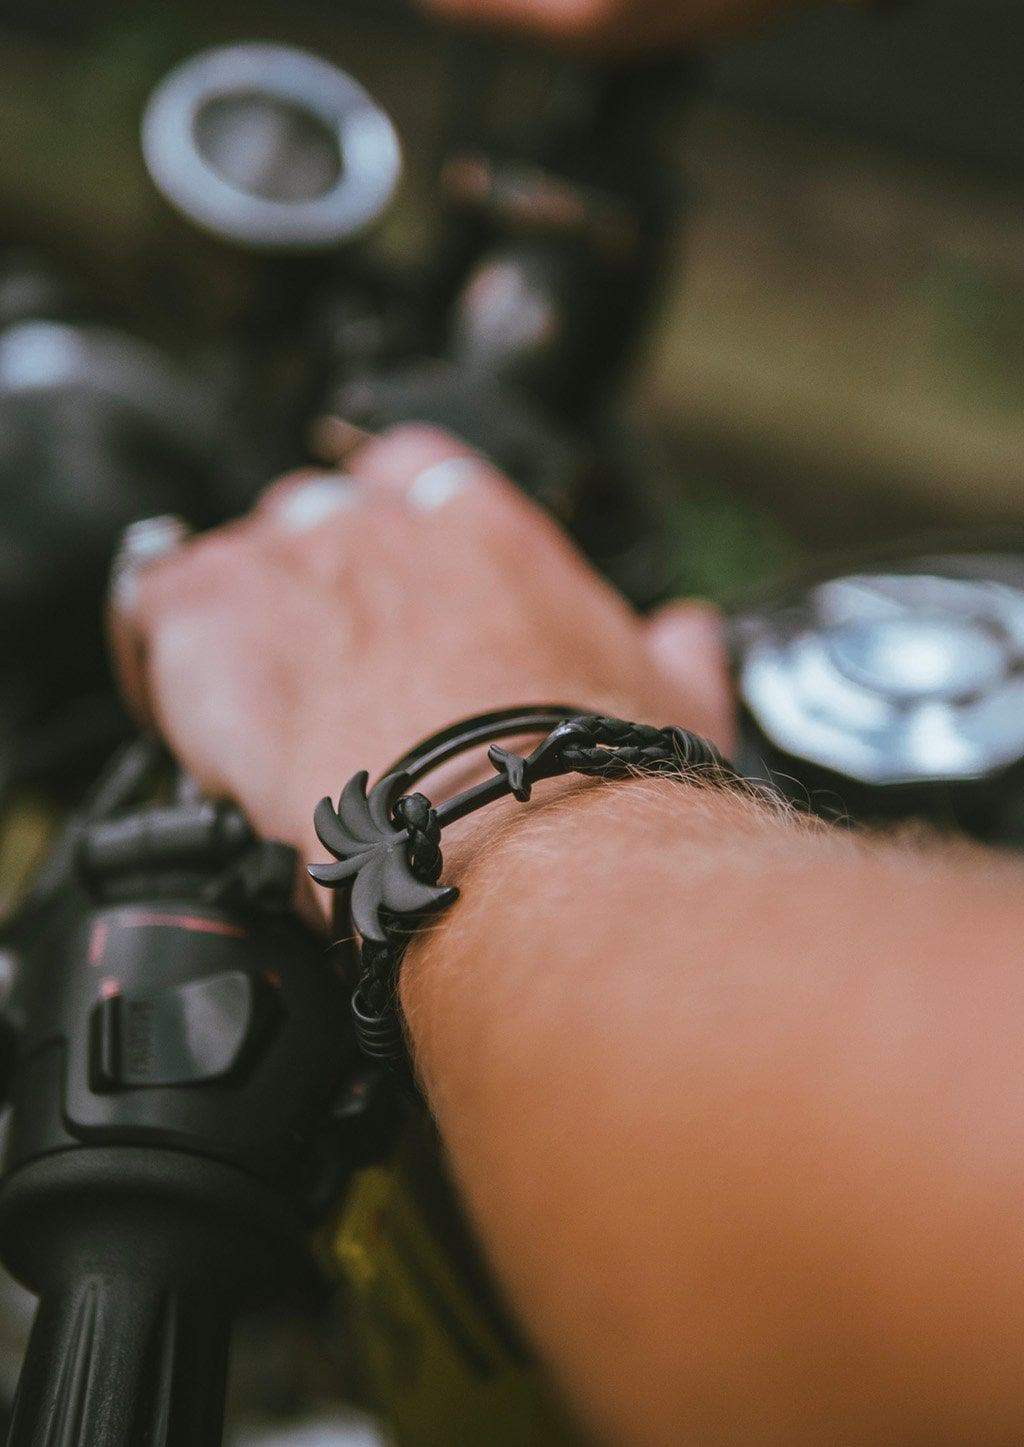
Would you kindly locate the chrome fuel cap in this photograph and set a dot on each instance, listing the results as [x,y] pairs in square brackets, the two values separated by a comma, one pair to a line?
[892,678]
[270,148]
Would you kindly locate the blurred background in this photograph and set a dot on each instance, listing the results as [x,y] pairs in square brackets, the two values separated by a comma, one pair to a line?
[841,347]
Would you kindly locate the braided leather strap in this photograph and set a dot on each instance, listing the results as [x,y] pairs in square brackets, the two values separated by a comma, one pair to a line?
[611,748]
[387,843]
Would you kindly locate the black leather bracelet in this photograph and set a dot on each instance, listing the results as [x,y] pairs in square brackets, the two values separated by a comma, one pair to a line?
[387,843]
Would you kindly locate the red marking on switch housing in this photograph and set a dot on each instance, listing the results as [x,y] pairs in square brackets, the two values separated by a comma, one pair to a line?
[197,923]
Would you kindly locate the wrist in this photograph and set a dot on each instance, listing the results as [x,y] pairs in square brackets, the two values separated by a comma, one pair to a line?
[551,893]
[386,841]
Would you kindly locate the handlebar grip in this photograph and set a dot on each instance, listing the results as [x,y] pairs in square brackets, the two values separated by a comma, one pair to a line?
[117,1357]
[141,1259]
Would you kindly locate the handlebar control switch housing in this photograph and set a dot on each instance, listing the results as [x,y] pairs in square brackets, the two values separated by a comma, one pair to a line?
[182,1043]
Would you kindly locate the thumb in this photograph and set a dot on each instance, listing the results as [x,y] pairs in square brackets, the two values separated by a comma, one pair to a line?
[686,644]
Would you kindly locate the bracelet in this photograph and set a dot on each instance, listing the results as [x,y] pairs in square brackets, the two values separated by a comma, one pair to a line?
[387,844]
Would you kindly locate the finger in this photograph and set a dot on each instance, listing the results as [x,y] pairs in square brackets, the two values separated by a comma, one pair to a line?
[214,563]
[145,545]
[470,517]
[427,468]
[442,483]
[196,615]
[127,655]
[126,648]
[301,500]
[393,462]
[320,525]
[179,585]
[686,644]
[332,439]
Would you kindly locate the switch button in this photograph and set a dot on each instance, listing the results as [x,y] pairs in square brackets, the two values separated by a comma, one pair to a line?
[183,1035]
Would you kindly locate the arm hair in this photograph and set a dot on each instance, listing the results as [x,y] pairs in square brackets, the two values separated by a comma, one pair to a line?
[735,1100]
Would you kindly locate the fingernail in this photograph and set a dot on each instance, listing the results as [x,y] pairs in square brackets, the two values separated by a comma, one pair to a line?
[437,485]
[315,500]
[143,542]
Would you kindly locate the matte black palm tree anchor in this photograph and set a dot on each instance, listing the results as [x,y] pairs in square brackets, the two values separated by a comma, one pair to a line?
[387,843]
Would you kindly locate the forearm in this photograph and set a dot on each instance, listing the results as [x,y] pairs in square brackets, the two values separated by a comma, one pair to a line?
[739,1123]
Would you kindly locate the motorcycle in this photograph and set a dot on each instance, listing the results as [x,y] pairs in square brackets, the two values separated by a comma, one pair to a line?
[192,1130]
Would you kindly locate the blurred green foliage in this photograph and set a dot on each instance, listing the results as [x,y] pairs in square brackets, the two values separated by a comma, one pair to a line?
[726,545]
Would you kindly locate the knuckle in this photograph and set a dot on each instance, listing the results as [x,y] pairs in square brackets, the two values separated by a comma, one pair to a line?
[323,505]
[282,487]
[398,454]
[206,569]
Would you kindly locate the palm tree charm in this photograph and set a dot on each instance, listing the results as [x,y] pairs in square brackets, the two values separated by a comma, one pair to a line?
[390,877]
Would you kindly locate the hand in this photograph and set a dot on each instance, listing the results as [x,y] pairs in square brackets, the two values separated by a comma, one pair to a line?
[348,617]
[612,25]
